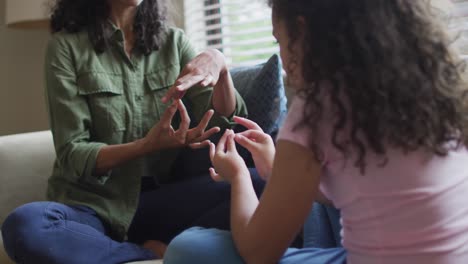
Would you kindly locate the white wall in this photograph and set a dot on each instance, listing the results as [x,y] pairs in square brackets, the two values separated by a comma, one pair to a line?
[22,105]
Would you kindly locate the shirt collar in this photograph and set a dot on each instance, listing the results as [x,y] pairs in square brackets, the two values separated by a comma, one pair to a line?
[115,32]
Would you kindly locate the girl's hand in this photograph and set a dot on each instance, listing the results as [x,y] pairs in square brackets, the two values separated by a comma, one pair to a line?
[203,70]
[228,164]
[163,136]
[259,144]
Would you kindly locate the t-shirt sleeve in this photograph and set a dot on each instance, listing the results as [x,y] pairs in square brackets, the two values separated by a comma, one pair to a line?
[291,129]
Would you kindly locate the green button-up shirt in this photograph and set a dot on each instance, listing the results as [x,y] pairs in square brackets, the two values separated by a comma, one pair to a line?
[104,99]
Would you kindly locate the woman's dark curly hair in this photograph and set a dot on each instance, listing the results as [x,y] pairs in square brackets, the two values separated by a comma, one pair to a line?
[395,81]
[74,16]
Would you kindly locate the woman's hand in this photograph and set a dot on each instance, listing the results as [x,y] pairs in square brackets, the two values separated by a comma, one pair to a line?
[228,164]
[163,135]
[259,144]
[204,70]
[197,137]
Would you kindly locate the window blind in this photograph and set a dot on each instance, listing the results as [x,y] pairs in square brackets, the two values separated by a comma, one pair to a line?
[459,25]
[241,29]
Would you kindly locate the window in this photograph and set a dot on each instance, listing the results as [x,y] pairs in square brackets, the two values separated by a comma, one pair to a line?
[241,29]
[459,25]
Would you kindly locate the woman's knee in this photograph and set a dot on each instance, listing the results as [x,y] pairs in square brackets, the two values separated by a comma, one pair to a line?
[199,245]
[22,227]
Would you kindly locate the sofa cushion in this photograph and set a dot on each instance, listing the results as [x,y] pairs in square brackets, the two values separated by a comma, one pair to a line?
[26,161]
[4,259]
[262,88]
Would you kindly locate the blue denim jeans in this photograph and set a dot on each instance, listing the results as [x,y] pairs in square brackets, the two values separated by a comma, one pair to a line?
[49,232]
[209,246]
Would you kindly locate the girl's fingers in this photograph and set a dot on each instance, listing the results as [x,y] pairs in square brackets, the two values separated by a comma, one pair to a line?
[246,143]
[231,144]
[254,135]
[215,176]
[212,151]
[221,147]
[247,123]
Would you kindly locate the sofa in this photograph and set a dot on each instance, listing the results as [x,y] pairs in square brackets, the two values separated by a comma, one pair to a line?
[26,160]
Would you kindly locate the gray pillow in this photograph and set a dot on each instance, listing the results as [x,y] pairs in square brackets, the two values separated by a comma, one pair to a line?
[262,88]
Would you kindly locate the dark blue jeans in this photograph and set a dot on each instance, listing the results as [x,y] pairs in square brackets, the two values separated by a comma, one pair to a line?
[48,232]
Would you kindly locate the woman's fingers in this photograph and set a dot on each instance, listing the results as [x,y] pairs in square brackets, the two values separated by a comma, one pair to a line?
[205,120]
[208,134]
[190,82]
[184,116]
[207,81]
[247,123]
[199,145]
[166,119]
[182,84]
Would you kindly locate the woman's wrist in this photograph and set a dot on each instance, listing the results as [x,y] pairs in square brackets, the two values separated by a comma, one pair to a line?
[220,60]
[143,146]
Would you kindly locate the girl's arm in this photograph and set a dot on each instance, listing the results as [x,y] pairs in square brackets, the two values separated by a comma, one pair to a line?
[262,235]
[263,230]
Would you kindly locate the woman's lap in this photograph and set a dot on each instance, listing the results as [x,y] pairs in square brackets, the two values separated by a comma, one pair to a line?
[166,211]
[49,232]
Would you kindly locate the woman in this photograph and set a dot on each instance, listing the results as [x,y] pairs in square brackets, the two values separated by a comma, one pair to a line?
[115,77]
[378,125]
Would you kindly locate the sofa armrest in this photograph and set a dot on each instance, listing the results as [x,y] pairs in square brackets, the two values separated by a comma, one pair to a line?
[26,162]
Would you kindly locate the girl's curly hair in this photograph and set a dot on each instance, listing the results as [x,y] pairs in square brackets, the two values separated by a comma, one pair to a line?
[74,16]
[395,82]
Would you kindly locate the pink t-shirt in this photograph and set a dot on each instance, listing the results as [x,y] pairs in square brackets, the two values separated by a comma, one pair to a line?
[413,210]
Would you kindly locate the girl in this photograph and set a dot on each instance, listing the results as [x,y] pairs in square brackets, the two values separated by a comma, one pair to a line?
[379,126]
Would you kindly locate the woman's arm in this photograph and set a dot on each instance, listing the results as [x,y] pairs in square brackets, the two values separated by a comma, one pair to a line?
[71,123]
[69,114]
[161,136]
[207,83]
[207,69]
[224,99]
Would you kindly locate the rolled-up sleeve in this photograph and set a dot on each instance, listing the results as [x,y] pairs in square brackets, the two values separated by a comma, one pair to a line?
[69,115]
[201,97]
